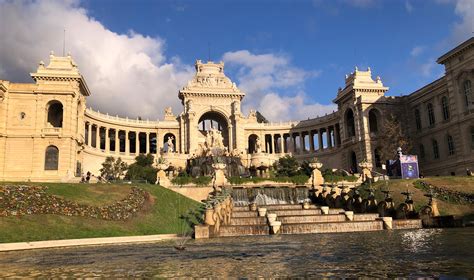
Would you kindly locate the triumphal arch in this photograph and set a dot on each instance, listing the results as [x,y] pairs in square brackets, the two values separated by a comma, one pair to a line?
[47,133]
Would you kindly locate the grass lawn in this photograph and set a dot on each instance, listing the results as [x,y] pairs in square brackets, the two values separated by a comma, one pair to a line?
[163,214]
[465,184]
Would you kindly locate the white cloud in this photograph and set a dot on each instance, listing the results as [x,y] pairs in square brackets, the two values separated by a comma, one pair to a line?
[417,50]
[274,86]
[463,30]
[128,74]
[408,6]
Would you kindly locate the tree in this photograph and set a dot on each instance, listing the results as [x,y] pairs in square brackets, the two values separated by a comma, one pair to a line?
[142,169]
[287,166]
[392,137]
[113,169]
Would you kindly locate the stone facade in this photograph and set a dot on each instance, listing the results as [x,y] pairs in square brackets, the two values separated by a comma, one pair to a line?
[48,134]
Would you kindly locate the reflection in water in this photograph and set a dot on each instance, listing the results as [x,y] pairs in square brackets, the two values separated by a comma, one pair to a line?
[428,253]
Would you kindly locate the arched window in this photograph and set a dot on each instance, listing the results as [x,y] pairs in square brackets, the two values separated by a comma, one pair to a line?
[418,119]
[422,151]
[451,149]
[467,90]
[51,158]
[353,162]
[55,114]
[434,143]
[445,105]
[431,116]
[350,124]
[373,122]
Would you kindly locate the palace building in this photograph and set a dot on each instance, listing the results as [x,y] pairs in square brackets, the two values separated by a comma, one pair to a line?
[48,134]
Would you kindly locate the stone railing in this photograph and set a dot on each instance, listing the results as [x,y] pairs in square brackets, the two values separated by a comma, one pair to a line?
[100,115]
[31,200]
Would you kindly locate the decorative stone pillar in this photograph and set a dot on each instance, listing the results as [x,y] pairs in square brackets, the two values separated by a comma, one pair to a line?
[320,137]
[282,144]
[147,138]
[89,134]
[231,138]
[328,137]
[127,143]
[117,142]
[311,141]
[137,143]
[97,137]
[272,146]
[107,140]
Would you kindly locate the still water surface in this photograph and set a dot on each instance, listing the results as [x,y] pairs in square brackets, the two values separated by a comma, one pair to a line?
[443,253]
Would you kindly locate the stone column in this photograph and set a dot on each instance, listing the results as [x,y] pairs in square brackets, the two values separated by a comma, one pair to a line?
[97,137]
[328,136]
[137,143]
[89,134]
[311,141]
[107,140]
[272,146]
[302,144]
[147,142]
[320,137]
[282,144]
[127,143]
[117,142]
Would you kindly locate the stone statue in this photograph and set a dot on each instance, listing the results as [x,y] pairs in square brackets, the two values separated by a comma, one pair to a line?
[169,142]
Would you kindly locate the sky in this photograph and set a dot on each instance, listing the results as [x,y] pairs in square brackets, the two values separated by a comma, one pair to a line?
[289,57]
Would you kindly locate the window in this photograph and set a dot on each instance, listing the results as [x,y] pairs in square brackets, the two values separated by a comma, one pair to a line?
[435,149]
[378,161]
[373,124]
[431,117]
[467,91]
[445,105]
[418,119]
[451,150]
[51,158]
[55,114]
[350,123]
[422,151]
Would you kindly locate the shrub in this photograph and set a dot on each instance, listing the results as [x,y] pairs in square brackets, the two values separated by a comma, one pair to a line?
[142,169]
[287,166]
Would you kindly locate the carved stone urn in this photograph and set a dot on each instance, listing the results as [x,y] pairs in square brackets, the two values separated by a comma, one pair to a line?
[219,176]
[161,178]
[317,178]
[208,217]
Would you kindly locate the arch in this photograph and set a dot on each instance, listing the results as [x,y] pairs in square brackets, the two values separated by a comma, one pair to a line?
[251,143]
[353,162]
[214,120]
[350,122]
[467,91]
[445,106]
[55,113]
[169,143]
[373,120]
[51,158]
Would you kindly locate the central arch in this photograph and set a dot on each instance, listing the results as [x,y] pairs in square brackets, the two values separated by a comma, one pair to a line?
[214,120]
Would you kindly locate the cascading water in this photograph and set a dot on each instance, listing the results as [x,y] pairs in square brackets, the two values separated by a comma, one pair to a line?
[269,195]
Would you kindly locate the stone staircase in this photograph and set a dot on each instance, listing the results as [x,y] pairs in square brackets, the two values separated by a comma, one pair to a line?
[296,220]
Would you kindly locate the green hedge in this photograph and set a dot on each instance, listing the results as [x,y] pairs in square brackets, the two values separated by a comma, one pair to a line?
[298,179]
[184,180]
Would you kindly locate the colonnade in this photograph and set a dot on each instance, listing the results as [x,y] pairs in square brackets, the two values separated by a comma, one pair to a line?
[300,142]
[123,141]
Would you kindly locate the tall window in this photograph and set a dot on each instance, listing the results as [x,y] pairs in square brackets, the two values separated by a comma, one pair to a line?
[444,104]
[451,150]
[350,123]
[422,151]
[418,119]
[373,124]
[431,117]
[467,91]
[55,114]
[51,158]
[435,149]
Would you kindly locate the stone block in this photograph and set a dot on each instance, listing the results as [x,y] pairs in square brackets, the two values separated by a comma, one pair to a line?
[201,231]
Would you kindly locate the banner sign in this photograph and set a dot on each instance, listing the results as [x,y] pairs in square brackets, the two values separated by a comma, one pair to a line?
[409,166]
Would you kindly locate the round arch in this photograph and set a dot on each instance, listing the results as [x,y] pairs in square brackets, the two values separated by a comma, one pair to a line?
[214,120]
[252,140]
[169,143]
[374,120]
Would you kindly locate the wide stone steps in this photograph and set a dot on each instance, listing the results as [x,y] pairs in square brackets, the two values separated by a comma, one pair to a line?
[326,227]
[311,219]
[248,221]
[244,230]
